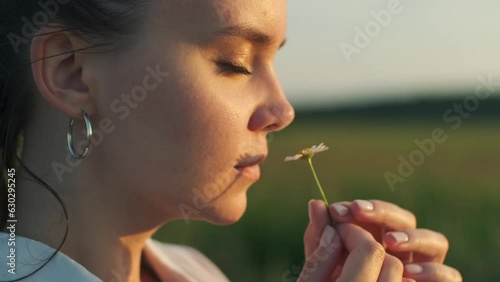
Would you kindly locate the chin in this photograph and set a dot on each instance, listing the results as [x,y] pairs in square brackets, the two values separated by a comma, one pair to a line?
[227,210]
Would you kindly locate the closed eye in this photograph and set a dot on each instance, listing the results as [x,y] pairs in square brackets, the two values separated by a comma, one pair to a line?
[230,68]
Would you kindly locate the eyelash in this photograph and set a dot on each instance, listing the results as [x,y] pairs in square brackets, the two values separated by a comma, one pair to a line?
[230,68]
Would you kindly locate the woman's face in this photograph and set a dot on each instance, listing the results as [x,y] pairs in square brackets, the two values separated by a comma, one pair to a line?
[194,99]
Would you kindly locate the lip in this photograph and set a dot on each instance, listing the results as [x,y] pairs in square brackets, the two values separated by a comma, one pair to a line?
[250,172]
[251,161]
[249,167]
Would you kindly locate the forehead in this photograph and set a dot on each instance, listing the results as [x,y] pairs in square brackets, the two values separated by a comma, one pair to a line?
[263,12]
[204,17]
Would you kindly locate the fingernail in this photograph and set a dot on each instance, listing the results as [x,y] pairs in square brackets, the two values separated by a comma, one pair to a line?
[399,237]
[341,210]
[414,268]
[327,236]
[364,205]
[310,211]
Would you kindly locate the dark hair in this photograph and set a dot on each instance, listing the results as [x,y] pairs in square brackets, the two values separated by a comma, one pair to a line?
[104,25]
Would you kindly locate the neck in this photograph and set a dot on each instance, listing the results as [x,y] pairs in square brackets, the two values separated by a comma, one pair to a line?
[96,238]
[108,223]
[107,230]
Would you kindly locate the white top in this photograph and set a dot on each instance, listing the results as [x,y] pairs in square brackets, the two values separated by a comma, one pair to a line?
[180,263]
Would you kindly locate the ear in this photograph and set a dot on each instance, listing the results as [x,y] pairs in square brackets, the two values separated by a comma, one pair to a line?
[58,71]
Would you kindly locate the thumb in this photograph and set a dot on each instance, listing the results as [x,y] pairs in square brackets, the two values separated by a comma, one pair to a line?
[320,265]
[318,219]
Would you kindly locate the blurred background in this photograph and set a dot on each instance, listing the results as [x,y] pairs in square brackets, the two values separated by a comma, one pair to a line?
[371,80]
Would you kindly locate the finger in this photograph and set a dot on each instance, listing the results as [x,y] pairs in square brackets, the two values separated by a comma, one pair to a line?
[432,272]
[405,257]
[427,245]
[392,269]
[366,255]
[389,216]
[340,212]
[318,219]
[320,265]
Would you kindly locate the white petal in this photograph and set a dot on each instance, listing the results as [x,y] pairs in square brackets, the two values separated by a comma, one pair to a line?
[321,150]
[293,158]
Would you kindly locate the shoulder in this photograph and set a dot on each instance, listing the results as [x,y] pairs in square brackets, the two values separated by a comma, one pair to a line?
[26,256]
[186,260]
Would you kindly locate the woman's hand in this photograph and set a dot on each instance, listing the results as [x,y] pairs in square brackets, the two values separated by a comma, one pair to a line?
[347,254]
[422,251]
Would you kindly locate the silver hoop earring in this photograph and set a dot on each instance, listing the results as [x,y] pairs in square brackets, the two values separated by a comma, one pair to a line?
[89,137]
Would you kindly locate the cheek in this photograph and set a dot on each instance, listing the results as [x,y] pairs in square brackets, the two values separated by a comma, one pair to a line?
[184,134]
[204,123]
[209,129]
[182,137]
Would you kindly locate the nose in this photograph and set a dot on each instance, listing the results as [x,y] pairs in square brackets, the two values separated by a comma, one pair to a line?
[275,112]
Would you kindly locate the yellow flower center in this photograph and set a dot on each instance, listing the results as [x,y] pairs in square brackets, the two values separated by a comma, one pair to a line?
[307,154]
[304,150]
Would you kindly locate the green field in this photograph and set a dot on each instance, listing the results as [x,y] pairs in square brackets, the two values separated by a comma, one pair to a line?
[456,191]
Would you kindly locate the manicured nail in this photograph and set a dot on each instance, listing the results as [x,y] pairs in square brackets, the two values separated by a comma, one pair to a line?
[399,237]
[364,205]
[414,268]
[311,216]
[340,209]
[327,236]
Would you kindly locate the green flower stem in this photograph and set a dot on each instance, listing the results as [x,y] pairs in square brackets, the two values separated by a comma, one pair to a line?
[317,180]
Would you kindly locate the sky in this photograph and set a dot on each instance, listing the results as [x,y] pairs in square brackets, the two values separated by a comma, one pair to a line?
[424,46]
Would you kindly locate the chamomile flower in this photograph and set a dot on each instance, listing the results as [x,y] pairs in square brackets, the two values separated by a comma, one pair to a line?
[308,154]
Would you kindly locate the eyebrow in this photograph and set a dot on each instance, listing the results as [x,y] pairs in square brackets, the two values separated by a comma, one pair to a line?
[248,33]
